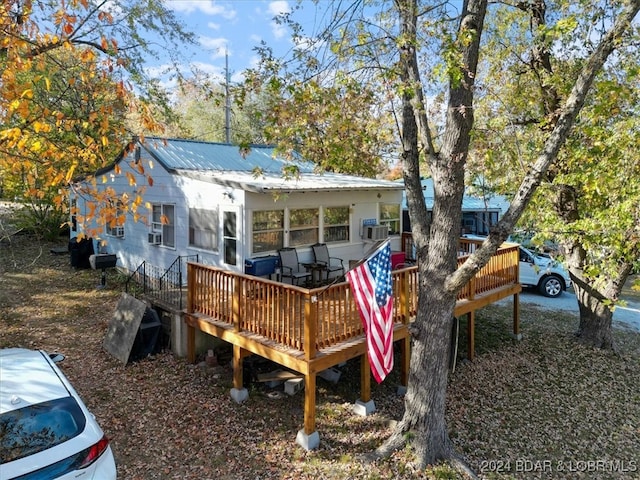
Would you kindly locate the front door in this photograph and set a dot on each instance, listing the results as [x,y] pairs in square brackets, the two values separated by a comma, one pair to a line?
[230,235]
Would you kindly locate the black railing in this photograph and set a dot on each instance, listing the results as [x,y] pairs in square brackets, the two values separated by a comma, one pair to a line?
[166,286]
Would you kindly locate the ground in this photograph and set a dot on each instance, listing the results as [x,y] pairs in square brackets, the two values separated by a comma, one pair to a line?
[544,407]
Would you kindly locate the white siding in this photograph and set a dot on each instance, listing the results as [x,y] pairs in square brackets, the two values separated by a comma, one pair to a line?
[183,193]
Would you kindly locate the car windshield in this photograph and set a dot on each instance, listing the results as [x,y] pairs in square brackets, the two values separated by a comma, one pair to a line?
[31,429]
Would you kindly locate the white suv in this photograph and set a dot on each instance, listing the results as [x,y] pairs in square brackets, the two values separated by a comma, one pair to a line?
[46,430]
[538,271]
[543,273]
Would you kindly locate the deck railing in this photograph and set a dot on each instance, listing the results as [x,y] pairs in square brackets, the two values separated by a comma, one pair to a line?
[309,320]
[163,284]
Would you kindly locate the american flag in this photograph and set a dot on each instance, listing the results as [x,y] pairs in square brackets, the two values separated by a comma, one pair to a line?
[370,283]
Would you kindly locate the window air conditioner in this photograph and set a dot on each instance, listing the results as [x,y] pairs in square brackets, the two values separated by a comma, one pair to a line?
[155,238]
[376,232]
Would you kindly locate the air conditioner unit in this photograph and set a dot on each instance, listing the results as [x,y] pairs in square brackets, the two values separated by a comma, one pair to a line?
[375,232]
[155,238]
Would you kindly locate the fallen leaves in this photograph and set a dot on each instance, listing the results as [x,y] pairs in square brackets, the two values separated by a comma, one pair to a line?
[545,398]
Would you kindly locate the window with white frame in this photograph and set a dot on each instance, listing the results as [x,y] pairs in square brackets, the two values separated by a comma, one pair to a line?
[303,226]
[115,218]
[203,228]
[163,225]
[335,226]
[268,230]
[390,216]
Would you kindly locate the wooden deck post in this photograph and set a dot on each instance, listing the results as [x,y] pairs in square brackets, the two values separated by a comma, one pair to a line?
[365,378]
[310,327]
[237,367]
[237,295]
[471,334]
[310,403]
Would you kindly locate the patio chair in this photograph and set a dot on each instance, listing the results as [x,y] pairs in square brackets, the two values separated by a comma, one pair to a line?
[290,266]
[331,264]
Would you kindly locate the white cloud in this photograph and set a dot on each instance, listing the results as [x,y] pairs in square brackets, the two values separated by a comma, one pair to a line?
[213,26]
[216,46]
[276,8]
[208,7]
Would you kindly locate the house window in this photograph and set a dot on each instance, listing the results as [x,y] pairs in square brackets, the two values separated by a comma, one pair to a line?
[268,230]
[203,228]
[230,240]
[303,226]
[163,225]
[390,216]
[336,224]
[115,219]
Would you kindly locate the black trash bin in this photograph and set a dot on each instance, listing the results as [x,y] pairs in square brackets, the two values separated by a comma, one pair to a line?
[80,251]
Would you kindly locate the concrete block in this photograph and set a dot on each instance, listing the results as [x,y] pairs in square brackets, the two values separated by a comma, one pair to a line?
[308,442]
[293,386]
[364,408]
[240,395]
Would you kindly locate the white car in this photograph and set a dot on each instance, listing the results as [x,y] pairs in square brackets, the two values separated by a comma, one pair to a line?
[538,271]
[543,273]
[46,431]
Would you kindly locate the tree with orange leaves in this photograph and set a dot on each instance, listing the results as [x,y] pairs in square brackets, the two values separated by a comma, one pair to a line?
[69,70]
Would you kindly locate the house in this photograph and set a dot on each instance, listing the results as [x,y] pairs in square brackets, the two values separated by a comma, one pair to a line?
[226,206]
[478,213]
[222,206]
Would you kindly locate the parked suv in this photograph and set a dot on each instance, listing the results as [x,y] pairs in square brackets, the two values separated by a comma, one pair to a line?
[543,273]
[539,271]
[46,431]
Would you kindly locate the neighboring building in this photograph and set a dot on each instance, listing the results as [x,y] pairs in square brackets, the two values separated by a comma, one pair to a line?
[227,206]
[478,214]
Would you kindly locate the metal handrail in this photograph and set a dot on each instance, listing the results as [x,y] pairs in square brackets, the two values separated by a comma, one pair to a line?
[165,285]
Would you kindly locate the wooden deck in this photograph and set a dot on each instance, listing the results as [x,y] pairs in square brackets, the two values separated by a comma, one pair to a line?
[310,330]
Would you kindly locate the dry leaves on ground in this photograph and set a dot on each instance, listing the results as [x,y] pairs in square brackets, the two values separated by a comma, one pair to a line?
[544,407]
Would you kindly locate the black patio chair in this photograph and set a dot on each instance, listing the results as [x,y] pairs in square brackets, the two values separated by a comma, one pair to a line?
[291,268]
[331,264]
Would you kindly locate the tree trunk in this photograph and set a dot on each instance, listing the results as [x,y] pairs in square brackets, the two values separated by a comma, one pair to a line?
[595,319]
[595,315]
[424,421]
[437,243]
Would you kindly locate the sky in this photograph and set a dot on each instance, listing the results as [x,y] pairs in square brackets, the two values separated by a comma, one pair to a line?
[235,28]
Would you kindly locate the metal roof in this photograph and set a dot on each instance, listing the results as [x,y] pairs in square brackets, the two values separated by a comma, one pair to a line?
[306,182]
[177,154]
[225,164]
[469,203]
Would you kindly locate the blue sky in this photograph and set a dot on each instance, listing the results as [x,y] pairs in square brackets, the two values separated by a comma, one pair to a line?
[235,27]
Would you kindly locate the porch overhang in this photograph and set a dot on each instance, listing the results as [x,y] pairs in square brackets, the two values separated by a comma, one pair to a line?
[270,183]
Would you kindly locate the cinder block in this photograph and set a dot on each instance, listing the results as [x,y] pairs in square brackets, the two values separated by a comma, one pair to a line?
[293,386]
[330,374]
